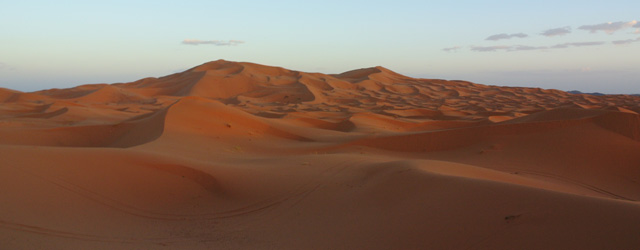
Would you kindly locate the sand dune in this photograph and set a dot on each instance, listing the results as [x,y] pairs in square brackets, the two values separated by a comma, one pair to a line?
[230,155]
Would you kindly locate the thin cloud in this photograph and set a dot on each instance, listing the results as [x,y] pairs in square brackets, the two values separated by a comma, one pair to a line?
[526,48]
[556,32]
[610,27]
[4,66]
[578,44]
[506,48]
[452,49]
[505,36]
[532,48]
[628,41]
[489,48]
[212,42]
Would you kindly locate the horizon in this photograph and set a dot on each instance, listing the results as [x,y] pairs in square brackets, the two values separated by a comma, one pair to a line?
[336,73]
[70,43]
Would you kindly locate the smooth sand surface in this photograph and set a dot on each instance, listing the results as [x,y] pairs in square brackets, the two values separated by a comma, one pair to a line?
[233,155]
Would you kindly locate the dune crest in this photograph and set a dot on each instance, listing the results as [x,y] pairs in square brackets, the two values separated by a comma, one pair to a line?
[237,155]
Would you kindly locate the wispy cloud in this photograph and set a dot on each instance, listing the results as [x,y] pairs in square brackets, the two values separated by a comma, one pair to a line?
[507,48]
[212,42]
[505,36]
[610,27]
[628,41]
[578,44]
[4,66]
[490,48]
[525,48]
[556,32]
[452,49]
[510,48]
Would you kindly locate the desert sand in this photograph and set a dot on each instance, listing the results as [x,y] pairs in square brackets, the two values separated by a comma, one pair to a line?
[231,155]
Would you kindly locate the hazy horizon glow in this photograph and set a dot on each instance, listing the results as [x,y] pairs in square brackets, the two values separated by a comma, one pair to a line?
[591,46]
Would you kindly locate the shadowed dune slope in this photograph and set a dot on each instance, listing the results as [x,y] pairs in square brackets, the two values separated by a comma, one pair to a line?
[128,133]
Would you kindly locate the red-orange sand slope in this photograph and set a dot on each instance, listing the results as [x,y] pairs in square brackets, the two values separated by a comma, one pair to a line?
[233,155]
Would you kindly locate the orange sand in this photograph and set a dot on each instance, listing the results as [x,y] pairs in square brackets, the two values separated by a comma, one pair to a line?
[233,155]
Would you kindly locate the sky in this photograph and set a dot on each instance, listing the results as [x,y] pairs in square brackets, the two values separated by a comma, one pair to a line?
[591,46]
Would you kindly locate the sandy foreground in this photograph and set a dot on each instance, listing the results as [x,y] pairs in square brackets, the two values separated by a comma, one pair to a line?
[234,155]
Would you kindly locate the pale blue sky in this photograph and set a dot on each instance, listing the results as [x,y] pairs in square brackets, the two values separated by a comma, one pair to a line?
[47,44]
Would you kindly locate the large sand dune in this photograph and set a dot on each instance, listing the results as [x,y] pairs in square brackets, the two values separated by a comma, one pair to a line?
[233,155]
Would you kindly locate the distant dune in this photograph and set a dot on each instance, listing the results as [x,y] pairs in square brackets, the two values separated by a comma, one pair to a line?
[231,155]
